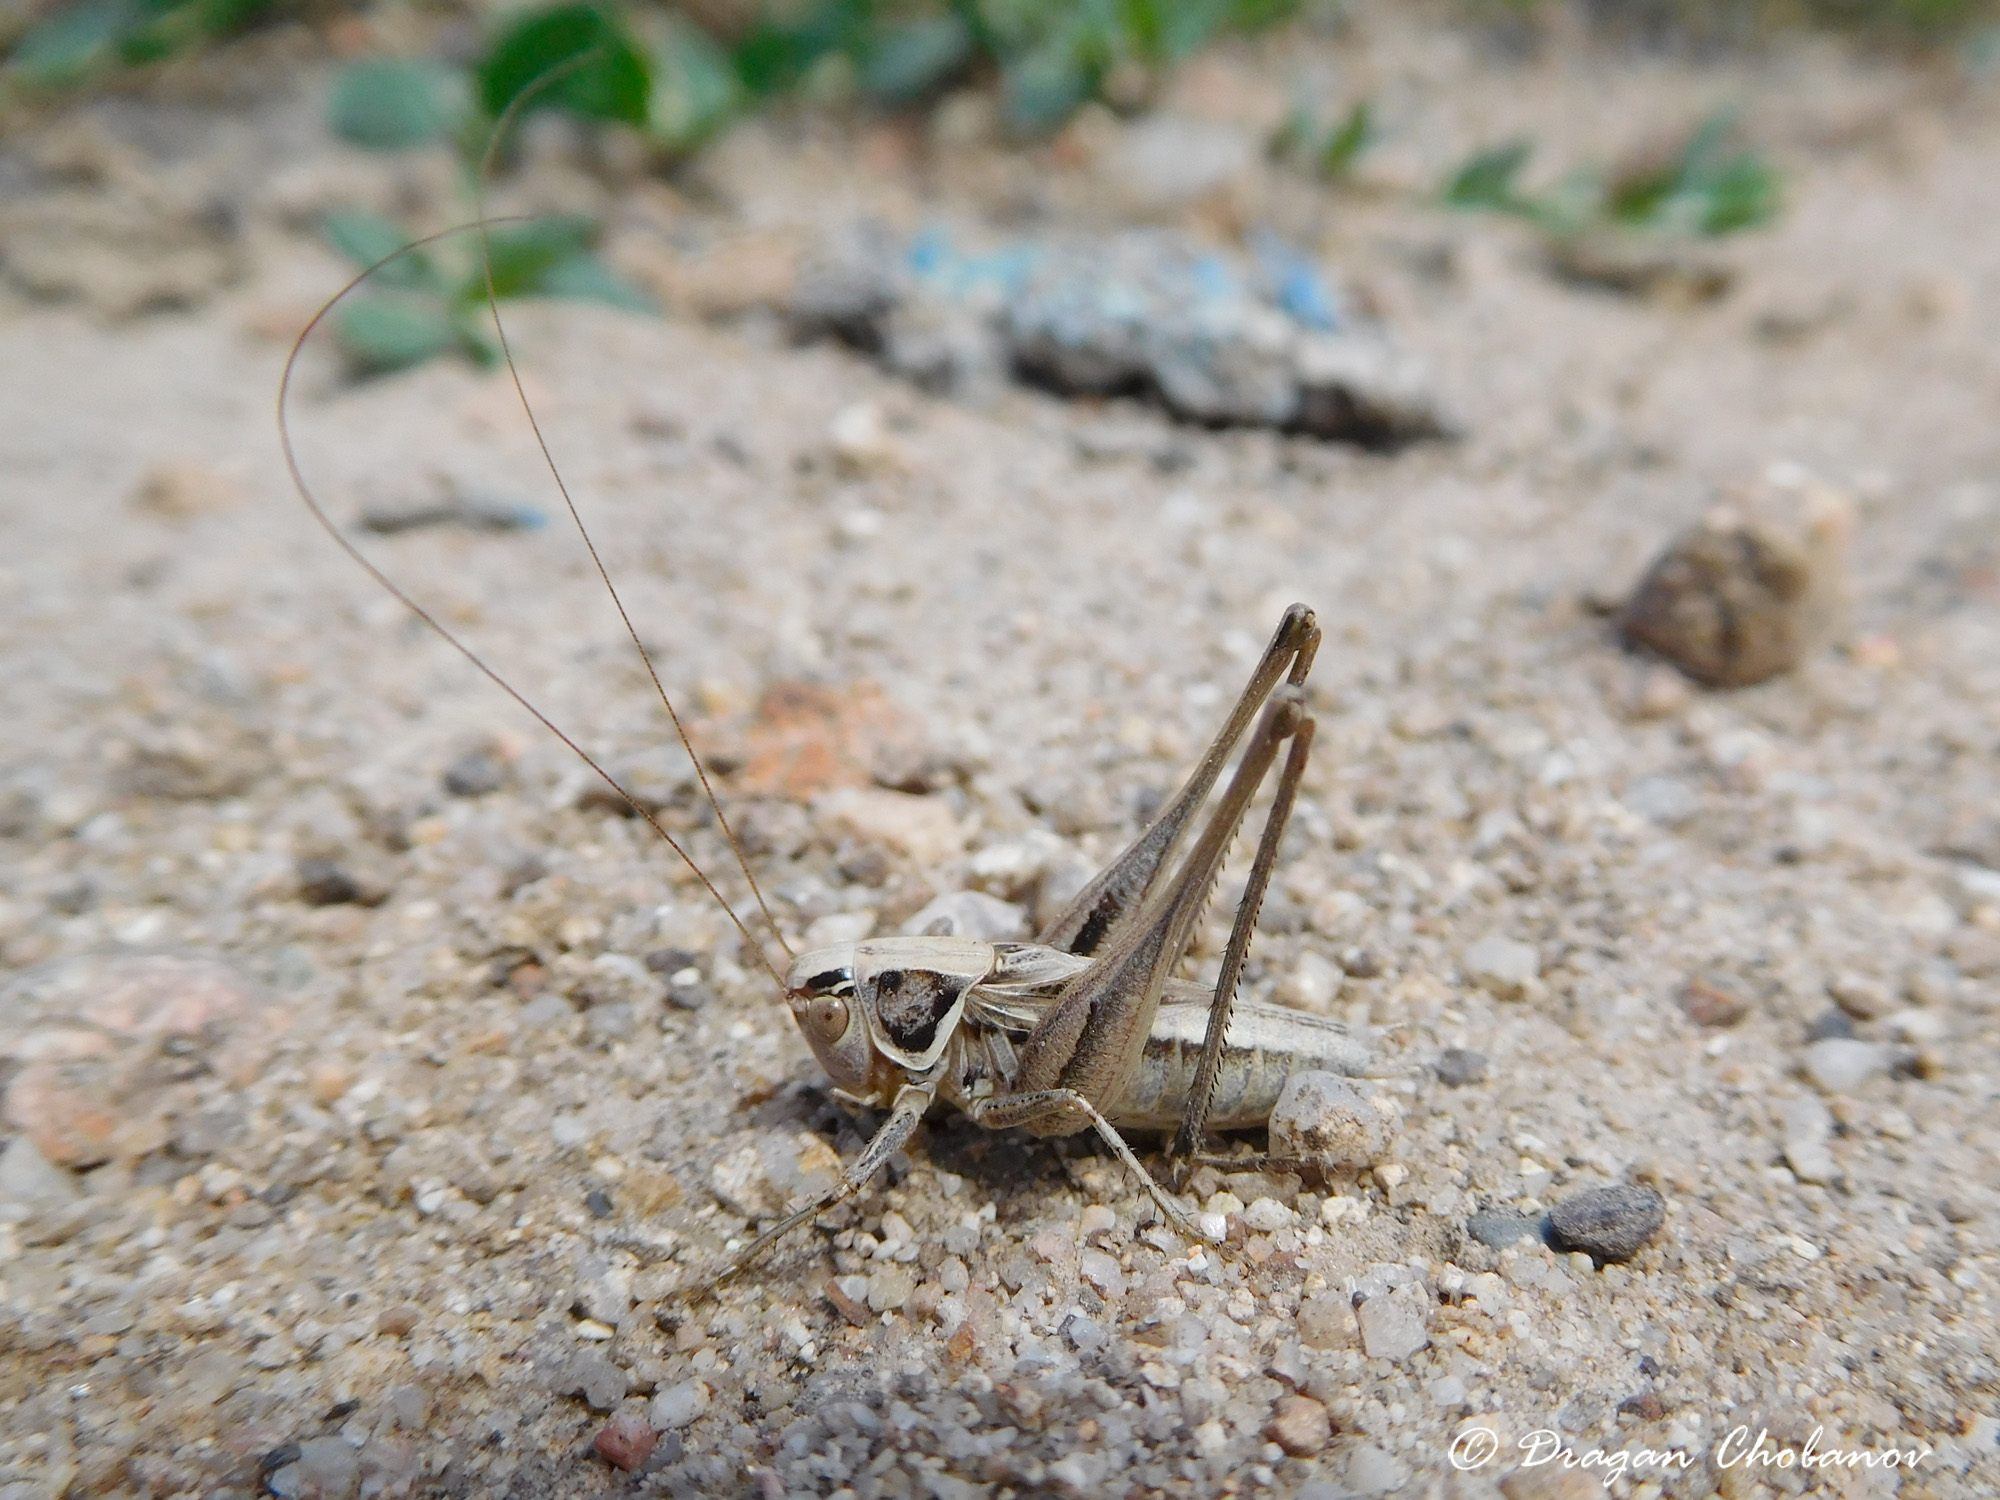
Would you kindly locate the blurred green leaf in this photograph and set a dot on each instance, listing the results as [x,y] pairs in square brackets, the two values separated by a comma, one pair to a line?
[1486,181]
[1343,147]
[585,278]
[603,74]
[1046,87]
[1170,30]
[82,38]
[391,331]
[909,61]
[777,53]
[1704,188]
[522,256]
[1743,194]
[392,103]
[369,240]
[694,88]
[74,41]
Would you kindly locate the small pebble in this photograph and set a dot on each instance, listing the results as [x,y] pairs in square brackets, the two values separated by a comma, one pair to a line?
[1551,1482]
[326,1468]
[409,1406]
[324,883]
[1932,982]
[1084,1333]
[1101,1271]
[1372,1471]
[398,1322]
[925,829]
[1508,968]
[1863,998]
[890,1288]
[1459,1066]
[1497,1228]
[1324,1320]
[1713,1002]
[1266,1216]
[675,1406]
[1394,1324]
[626,1441]
[1831,1022]
[1097,1219]
[1360,963]
[475,774]
[1313,984]
[1808,1127]
[1919,1027]
[1608,1223]
[1837,1065]
[1746,593]
[1300,1425]
[1666,800]
[590,1375]
[1322,1118]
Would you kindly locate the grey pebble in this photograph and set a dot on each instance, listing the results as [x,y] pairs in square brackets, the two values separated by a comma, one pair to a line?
[29,1181]
[1394,1324]
[1083,1332]
[1808,1127]
[327,1468]
[1497,1228]
[410,1407]
[1459,1066]
[1607,1223]
[1666,800]
[1831,1023]
[474,774]
[324,883]
[590,1375]
[1373,1471]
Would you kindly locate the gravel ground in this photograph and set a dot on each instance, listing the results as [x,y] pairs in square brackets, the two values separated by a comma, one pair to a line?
[364,1116]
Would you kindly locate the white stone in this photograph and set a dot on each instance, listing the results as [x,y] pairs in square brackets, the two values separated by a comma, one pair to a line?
[1506,967]
[836,927]
[1266,1216]
[1314,983]
[1837,1064]
[1101,1271]
[1395,1324]
[1808,1128]
[970,914]
[1324,1119]
[675,1406]
[923,828]
[1372,1471]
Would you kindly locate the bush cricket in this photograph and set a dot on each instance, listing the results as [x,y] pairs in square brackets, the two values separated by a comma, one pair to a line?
[1087,1027]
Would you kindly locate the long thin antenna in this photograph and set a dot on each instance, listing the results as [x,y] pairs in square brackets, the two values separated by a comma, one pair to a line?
[368,566]
[514,373]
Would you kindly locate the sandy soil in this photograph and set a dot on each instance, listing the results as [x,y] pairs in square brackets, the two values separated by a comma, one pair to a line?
[397,1200]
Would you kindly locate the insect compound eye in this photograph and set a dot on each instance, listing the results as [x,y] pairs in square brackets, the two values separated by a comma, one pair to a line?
[827,1016]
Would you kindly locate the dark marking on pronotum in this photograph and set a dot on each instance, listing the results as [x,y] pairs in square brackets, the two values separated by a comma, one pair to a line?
[912,1003]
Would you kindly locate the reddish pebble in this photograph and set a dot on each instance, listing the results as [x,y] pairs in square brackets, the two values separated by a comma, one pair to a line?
[1300,1425]
[1710,1004]
[626,1441]
[397,1321]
